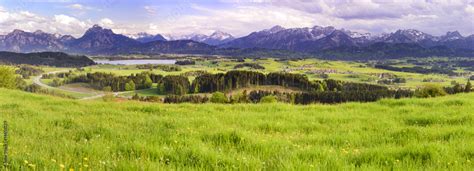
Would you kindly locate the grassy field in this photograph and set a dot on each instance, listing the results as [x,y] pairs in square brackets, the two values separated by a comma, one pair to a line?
[340,70]
[50,133]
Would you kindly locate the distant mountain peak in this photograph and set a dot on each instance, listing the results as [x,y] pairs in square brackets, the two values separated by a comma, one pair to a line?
[144,37]
[275,29]
[39,32]
[17,31]
[98,29]
[220,35]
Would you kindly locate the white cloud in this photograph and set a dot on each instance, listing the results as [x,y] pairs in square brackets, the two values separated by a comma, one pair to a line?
[28,21]
[239,21]
[151,10]
[106,22]
[77,6]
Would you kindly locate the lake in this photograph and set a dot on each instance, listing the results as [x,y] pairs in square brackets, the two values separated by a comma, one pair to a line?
[137,62]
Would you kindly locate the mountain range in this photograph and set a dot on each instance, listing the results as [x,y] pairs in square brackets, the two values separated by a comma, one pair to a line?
[318,41]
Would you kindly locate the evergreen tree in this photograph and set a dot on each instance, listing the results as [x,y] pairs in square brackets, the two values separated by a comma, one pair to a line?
[148,82]
[468,87]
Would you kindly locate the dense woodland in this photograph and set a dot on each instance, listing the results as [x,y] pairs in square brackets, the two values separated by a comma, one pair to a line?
[177,87]
[57,59]
[111,82]
[418,69]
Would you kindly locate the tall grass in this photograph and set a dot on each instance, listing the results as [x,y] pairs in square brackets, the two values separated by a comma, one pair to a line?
[49,133]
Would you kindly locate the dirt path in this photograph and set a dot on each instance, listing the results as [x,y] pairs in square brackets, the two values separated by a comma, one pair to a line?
[37,81]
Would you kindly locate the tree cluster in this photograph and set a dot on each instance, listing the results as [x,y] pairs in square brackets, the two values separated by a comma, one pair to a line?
[186,99]
[249,65]
[185,62]
[418,69]
[166,68]
[26,71]
[109,81]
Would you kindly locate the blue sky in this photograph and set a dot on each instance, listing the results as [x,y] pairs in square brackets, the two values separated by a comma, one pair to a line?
[238,17]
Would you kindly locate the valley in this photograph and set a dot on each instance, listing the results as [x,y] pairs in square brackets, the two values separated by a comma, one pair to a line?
[314,69]
[236,85]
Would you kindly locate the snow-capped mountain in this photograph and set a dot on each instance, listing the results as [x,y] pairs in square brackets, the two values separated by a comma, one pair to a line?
[146,37]
[450,36]
[301,39]
[320,38]
[408,36]
[312,40]
[216,38]
[21,41]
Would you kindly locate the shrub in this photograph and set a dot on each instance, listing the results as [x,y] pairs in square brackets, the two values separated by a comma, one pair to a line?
[468,87]
[130,86]
[430,90]
[107,89]
[108,98]
[269,99]
[218,97]
[7,77]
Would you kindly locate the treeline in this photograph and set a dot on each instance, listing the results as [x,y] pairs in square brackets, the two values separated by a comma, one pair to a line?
[209,83]
[418,69]
[185,62]
[111,82]
[27,71]
[57,59]
[250,65]
[305,98]
[167,68]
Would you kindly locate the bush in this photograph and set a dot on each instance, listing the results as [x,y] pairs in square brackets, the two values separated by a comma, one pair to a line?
[130,86]
[218,97]
[7,77]
[108,97]
[430,90]
[107,89]
[269,99]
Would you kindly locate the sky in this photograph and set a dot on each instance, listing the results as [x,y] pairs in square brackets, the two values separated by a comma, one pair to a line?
[237,17]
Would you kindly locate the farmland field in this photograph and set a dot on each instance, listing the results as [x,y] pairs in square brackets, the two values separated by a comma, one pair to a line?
[51,133]
[314,69]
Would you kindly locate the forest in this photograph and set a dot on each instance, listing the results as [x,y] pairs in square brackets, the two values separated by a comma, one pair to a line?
[179,89]
[57,59]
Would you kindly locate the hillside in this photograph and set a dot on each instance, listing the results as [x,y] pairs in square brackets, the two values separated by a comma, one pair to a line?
[57,59]
[49,133]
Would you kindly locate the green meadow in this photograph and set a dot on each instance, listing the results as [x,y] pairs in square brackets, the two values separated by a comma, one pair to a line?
[52,133]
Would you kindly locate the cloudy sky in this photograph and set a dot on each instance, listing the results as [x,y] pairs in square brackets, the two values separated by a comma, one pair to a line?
[238,17]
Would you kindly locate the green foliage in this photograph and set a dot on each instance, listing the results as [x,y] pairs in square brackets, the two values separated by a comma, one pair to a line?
[108,97]
[148,83]
[218,97]
[468,87]
[57,82]
[130,86]
[269,99]
[107,89]
[173,84]
[7,77]
[26,71]
[430,90]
